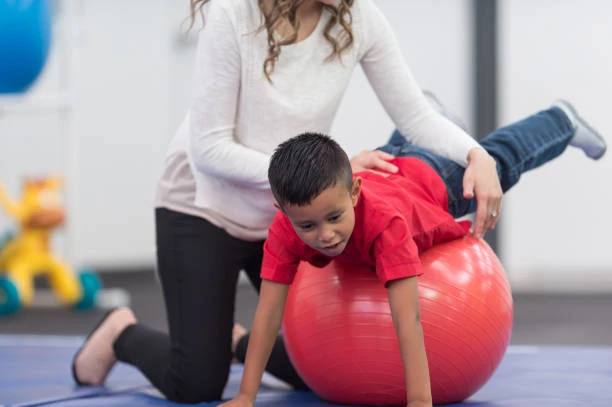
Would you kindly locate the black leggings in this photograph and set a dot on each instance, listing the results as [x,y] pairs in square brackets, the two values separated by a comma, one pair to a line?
[198,265]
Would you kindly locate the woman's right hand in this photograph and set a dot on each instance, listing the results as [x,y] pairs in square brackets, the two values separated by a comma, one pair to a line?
[373,160]
[240,400]
[481,181]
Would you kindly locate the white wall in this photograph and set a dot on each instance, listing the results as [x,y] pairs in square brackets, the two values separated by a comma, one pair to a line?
[120,79]
[555,225]
[132,76]
[436,38]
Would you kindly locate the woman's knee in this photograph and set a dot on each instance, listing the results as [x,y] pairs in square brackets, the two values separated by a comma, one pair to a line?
[193,384]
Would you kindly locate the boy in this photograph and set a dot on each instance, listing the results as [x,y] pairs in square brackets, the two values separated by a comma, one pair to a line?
[385,221]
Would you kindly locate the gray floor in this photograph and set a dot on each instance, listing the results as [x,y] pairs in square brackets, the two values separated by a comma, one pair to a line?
[539,319]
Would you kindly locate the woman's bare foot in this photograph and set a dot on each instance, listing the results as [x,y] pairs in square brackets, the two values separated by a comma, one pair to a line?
[96,358]
[237,333]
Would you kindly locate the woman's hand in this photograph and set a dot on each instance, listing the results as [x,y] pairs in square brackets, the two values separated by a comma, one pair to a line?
[373,160]
[481,180]
[238,401]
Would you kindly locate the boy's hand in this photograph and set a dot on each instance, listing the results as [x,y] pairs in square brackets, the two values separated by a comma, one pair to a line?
[373,160]
[238,401]
[481,180]
[404,304]
[266,324]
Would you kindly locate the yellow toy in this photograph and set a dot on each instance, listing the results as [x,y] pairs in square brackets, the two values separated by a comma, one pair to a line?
[27,253]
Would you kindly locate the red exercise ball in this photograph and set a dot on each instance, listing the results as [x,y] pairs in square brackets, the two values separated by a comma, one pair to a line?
[340,337]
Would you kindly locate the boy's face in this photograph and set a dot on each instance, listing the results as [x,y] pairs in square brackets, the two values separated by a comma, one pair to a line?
[326,224]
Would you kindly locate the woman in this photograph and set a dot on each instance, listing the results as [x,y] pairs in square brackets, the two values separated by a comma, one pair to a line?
[265,71]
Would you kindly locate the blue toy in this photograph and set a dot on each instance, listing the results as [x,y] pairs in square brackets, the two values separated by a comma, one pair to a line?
[25,37]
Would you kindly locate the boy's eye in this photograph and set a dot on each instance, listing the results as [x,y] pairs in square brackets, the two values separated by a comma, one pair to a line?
[335,218]
[305,226]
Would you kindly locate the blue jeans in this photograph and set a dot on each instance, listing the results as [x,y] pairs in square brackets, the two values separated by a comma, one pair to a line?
[516,148]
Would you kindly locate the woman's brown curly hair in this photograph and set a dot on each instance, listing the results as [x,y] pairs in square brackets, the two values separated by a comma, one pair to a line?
[287,10]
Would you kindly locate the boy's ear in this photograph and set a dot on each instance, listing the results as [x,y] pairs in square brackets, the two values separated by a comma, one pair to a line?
[278,206]
[356,190]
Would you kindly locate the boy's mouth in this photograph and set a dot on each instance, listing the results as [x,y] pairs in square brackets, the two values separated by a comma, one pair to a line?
[331,249]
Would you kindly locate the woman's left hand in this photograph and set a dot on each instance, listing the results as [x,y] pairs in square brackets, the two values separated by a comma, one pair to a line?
[373,160]
[481,180]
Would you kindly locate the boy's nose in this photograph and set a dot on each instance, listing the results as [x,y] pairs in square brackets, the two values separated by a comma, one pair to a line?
[326,235]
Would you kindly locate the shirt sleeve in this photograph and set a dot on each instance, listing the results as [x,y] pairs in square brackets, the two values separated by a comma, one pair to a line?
[396,253]
[279,263]
[214,106]
[402,98]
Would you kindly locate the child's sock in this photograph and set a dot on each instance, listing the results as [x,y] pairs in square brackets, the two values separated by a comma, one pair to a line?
[585,137]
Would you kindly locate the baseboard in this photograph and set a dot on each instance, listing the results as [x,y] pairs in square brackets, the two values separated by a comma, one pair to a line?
[562,282]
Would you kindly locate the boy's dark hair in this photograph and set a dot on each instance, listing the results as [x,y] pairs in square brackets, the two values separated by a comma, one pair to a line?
[304,166]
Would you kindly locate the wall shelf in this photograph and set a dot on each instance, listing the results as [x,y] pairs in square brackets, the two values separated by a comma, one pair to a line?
[34,103]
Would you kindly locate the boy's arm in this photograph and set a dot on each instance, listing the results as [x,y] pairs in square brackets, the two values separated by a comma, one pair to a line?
[404,302]
[266,324]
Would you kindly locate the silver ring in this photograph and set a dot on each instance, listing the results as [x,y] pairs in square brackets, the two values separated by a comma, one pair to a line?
[494,214]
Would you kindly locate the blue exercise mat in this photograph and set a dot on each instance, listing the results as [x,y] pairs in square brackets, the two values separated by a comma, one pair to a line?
[35,371]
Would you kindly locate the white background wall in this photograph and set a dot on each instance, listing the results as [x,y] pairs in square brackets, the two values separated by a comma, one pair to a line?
[132,75]
[555,225]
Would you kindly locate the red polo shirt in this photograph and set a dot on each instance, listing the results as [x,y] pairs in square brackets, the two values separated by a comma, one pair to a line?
[396,218]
